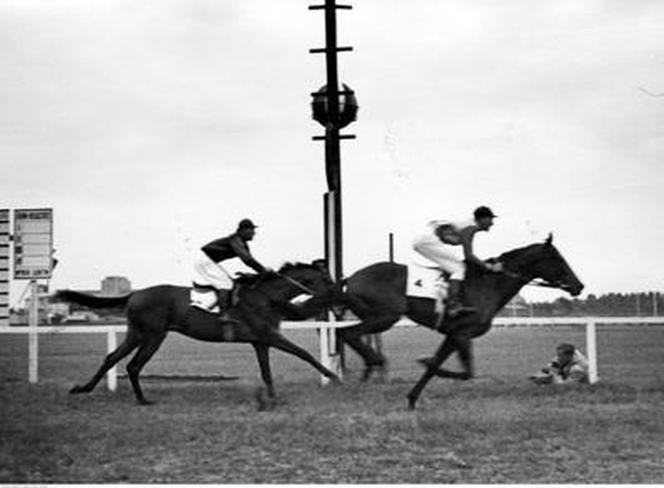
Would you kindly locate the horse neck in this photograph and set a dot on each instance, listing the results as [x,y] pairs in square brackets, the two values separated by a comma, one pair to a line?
[279,289]
[502,288]
[508,288]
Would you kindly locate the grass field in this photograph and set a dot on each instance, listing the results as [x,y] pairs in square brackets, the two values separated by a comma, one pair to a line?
[496,428]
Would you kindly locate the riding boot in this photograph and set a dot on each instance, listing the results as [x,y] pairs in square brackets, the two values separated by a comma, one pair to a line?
[455,306]
[227,323]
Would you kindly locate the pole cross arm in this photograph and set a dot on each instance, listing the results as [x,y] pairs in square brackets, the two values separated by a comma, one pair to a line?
[338,7]
[341,136]
[319,50]
[339,92]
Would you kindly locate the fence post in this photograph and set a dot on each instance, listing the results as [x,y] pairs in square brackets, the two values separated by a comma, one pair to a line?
[325,354]
[112,374]
[591,349]
[33,334]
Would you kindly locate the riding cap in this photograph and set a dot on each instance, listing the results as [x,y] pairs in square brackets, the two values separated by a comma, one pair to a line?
[481,212]
[246,224]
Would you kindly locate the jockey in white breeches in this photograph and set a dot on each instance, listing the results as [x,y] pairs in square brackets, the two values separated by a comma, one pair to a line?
[445,253]
[449,244]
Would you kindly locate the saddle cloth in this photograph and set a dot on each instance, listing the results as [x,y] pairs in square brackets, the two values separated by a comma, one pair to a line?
[426,282]
[205,299]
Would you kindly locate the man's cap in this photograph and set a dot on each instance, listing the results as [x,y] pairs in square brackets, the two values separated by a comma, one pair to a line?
[246,224]
[566,348]
[481,212]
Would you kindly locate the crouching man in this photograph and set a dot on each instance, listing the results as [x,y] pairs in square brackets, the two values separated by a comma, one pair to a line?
[569,366]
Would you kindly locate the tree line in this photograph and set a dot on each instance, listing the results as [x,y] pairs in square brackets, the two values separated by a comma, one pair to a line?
[644,304]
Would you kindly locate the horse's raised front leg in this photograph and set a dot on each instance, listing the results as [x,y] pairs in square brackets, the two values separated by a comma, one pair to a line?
[444,351]
[278,341]
[263,356]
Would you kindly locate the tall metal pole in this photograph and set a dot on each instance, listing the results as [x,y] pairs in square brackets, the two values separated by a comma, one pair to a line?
[332,127]
[333,210]
[332,149]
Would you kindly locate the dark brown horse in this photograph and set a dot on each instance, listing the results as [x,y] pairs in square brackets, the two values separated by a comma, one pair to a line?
[377,295]
[155,311]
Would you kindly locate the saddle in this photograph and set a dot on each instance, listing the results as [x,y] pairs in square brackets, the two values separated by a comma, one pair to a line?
[427,282]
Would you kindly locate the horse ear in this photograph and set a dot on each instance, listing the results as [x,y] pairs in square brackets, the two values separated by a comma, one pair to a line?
[549,240]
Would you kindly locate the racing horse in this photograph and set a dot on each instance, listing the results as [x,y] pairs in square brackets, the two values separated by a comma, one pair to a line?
[262,301]
[377,295]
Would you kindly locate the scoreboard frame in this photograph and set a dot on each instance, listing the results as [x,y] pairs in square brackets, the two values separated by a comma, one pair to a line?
[40,248]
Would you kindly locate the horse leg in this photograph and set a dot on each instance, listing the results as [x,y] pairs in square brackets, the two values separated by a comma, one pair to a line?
[278,341]
[464,348]
[353,337]
[142,356]
[446,348]
[263,355]
[129,344]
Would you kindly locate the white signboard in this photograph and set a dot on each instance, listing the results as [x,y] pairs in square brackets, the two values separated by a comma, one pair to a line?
[33,243]
[4,267]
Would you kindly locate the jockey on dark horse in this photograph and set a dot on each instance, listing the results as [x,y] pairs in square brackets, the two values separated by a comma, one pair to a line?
[441,245]
[210,275]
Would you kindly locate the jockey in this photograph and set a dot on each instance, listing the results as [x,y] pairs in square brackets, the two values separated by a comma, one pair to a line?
[209,272]
[442,244]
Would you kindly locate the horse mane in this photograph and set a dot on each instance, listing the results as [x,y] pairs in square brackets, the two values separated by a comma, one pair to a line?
[294,266]
[248,279]
[516,254]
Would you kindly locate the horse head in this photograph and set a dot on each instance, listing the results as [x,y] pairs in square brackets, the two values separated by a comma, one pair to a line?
[543,261]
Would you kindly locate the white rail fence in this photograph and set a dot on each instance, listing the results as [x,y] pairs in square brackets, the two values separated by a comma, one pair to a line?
[329,357]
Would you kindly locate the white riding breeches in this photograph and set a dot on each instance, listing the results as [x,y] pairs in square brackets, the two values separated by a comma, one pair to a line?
[208,273]
[446,256]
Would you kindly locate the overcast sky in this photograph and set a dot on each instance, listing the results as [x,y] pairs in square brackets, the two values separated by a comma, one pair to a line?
[152,127]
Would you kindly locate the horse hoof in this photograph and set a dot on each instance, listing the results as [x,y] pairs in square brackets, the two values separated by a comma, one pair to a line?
[383,373]
[265,402]
[366,374]
[335,380]
[267,405]
[411,403]
[79,389]
[145,403]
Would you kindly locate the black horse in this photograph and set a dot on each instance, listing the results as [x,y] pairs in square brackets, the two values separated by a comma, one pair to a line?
[153,312]
[377,295]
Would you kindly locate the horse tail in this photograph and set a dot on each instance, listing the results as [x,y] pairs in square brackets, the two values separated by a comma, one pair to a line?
[91,300]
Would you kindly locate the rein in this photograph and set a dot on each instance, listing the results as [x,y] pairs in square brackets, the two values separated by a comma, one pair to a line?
[296,283]
[302,287]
